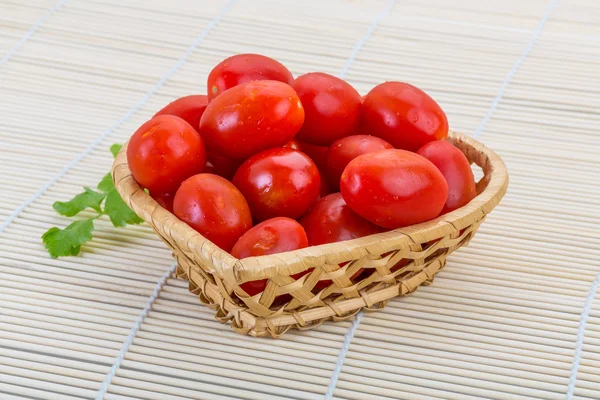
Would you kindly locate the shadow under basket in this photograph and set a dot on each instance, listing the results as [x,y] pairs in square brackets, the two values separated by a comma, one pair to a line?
[393,263]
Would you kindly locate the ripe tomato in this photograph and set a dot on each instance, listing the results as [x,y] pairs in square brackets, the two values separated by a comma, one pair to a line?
[403,115]
[243,68]
[331,220]
[188,108]
[394,188]
[293,144]
[347,149]
[165,200]
[317,153]
[455,167]
[275,235]
[165,151]
[213,207]
[222,166]
[325,186]
[331,105]
[278,182]
[252,117]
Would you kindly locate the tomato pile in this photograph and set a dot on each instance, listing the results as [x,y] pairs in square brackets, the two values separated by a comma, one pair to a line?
[265,163]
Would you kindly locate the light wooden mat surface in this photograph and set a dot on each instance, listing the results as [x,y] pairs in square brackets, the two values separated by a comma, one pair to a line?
[516,315]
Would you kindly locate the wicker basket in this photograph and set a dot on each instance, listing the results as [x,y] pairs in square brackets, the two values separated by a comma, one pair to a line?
[418,253]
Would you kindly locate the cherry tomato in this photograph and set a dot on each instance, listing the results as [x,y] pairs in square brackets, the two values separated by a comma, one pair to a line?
[243,68]
[394,188]
[293,144]
[455,167]
[275,235]
[347,149]
[165,151]
[317,153]
[403,115]
[278,182]
[222,166]
[331,105]
[188,108]
[252,117]
[165,200]
[331,220]
[325,186]
[213,207]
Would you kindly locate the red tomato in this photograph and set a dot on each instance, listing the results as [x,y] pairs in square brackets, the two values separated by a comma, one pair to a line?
[222,166]
[275,235]
[317,153]
[165,200]
[164,152]
[331,105]
[278,182]
[347,149]
[325,186]
[331,220]
[188,108]
[243,68]
[455,167]
[252,117]
[213,207]
[394,188]
[403,115]
[293,144]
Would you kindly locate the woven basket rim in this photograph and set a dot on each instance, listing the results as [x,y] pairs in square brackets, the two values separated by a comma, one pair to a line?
[215,260]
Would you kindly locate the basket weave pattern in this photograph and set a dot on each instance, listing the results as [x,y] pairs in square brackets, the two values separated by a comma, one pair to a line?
[393,263]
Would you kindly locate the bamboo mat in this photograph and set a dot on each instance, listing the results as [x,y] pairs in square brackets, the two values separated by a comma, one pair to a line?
[516,315]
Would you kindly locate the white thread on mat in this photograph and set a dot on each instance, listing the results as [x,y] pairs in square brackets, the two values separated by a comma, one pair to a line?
[581,334]
[342,356]
[32,30]
[486,118]
[134,330]
[359,45]
[516,65]
[350,334]
[128,115]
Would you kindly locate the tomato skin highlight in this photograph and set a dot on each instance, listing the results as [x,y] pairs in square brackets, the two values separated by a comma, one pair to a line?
[403,115]
[455,167]
[165,151]
[342,151]
[331,220]
[275,235]
[331,105]
[394,188]
[278,182]
[293,144]
[188,108]
[213,207]
[252,117]
[316,153]
[242,68]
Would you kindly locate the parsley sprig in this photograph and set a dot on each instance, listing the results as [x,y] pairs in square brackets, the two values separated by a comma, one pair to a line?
[104,201]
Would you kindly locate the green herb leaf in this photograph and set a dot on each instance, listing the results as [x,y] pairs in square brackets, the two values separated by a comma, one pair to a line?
[115,149]
[119,213]
[106,184]
[90,198]
[68,241]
